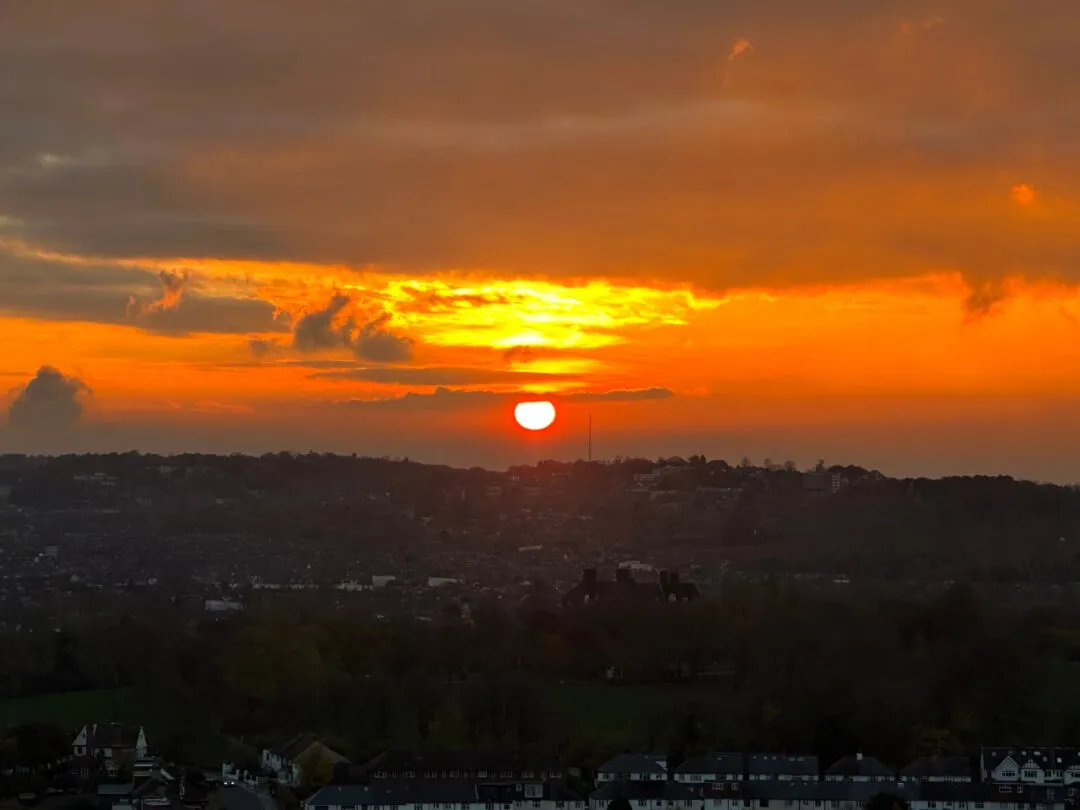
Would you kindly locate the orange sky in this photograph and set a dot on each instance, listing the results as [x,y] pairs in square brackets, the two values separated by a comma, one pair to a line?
[850,231]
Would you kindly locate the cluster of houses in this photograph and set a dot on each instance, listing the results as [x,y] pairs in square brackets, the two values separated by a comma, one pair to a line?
[1005,779]
[116,759]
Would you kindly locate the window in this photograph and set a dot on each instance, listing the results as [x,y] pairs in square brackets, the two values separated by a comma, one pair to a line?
[410,774]
[1029,773]
[526,774]
[978,806]
[536,805]
[380,774]
[455,774]
[482,774]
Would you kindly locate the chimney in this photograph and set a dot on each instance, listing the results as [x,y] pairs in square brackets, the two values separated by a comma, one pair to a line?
[664,580]
[588,579]
[622,575]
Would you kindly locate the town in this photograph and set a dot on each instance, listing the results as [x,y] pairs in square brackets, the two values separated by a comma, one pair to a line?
[111,767]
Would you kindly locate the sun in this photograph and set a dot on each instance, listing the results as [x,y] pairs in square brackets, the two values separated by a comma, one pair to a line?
[534,415]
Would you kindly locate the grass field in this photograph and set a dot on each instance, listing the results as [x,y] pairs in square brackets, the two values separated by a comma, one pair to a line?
[72,709]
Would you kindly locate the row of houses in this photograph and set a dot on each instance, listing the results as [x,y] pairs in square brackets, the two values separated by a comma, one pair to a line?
[767,794]
[1009,779]
[1030,766]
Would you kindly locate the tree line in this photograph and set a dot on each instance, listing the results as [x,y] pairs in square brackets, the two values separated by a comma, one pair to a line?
[768,667]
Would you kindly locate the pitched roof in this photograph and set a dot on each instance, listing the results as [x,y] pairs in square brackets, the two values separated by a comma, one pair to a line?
[635,763]
[925,767]
[858,765]
[295,746]
[777,764]
[717,764]
[463,761]
[112,735]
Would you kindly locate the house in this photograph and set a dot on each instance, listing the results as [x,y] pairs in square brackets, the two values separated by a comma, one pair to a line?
[697,771]
[459,794]
[624,589]
[1032,766]
[782,767]
[937,769]
[981,796]
[644,794]
[469,765]
[859,768]
[633,768]
[287,762]
[110,743]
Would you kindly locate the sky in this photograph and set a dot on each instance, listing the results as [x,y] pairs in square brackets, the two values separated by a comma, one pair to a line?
[765,228]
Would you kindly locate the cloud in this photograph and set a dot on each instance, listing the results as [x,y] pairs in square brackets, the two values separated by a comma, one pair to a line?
[742,45]
[374,343]
[621,395]
[443,397]
[50,401]
[324,328]
[332,327]
[99,291]
[1023,194]
[986,297]
[440,376]
[260,347]
[174,283]
[621,159]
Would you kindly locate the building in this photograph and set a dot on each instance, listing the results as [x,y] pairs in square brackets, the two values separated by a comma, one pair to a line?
[938,769]
[460,794]
[458,765]
[699,771]
[625,589]
[782,767]
[287,762]
[110,742]
[859,768]
[633,768]
[1031,766]
[823,481]
[644,794]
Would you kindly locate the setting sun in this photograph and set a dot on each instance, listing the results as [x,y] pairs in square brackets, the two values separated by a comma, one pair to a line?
[534,415]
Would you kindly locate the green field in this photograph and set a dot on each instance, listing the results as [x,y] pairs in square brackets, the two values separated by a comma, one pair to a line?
[72,709]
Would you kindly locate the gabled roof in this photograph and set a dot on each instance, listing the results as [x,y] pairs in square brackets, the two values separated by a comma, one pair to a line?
[295,746]
[713,765]
[635,763]
[777,764]
[926,767]
[112,735]
[859,765]
[463,761]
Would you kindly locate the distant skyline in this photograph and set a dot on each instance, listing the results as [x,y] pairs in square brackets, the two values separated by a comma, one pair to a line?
[769,228]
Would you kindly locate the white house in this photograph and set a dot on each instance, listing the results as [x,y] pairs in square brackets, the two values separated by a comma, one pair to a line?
[633,768]
[110,741]
[423,794]
[716,767]
[286,762]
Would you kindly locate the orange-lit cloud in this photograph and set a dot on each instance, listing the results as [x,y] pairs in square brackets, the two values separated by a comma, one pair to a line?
[866,229]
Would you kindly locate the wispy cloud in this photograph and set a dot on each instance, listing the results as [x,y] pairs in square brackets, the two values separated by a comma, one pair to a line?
[443,397]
